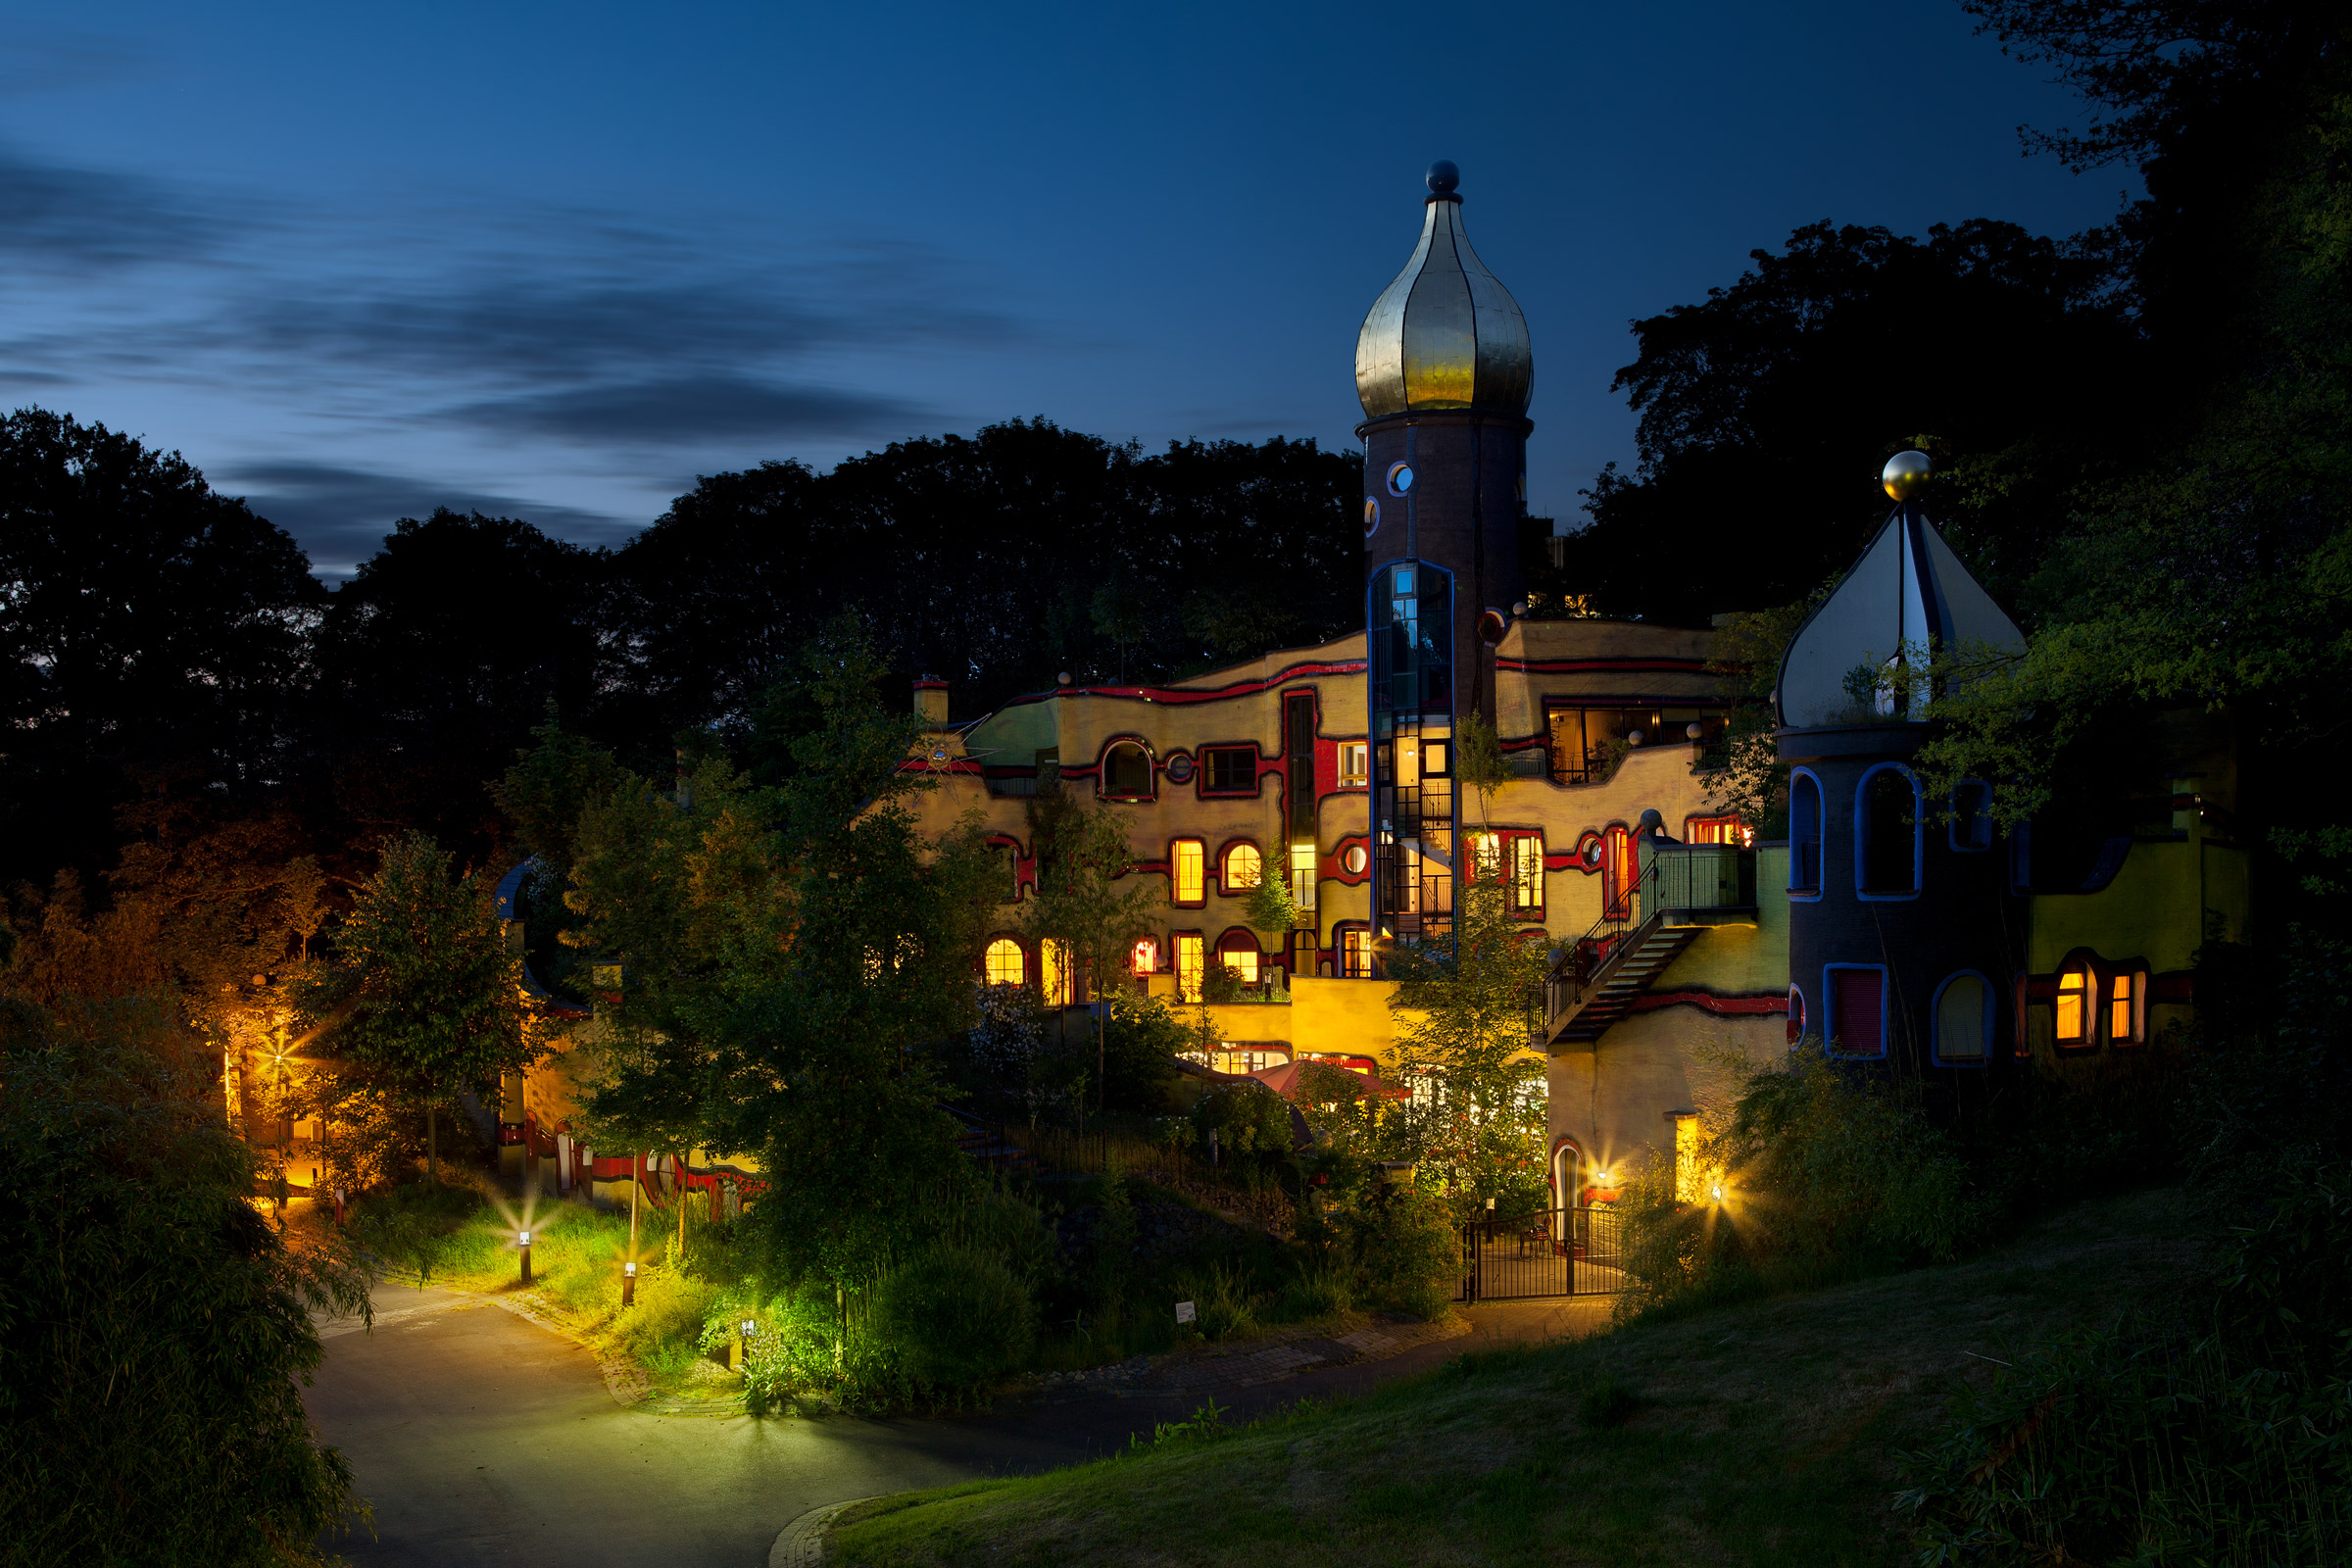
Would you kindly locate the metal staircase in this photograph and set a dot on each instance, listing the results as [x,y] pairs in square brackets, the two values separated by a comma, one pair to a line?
[1680,892]
[1631,962]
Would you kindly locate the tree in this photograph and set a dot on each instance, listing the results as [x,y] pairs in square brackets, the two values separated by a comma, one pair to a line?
[157,1327]
[1082,856]
[786,951]
[420,993]
[148,626]
[1767,409]
[1478,760]
[1462,1018]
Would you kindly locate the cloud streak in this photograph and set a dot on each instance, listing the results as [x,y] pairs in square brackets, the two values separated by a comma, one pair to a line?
[61,219]
[340,514]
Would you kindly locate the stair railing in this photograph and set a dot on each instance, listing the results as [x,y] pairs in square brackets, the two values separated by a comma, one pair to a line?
[1581,967]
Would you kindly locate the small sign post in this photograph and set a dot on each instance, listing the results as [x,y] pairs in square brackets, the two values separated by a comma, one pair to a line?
[1185,1312]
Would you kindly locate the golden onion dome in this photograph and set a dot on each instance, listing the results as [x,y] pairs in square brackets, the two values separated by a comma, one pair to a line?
[1445,334]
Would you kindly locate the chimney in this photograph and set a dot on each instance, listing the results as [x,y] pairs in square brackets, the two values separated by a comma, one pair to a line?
[931,701]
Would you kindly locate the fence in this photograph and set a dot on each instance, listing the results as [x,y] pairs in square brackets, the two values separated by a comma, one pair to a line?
[1557,1252]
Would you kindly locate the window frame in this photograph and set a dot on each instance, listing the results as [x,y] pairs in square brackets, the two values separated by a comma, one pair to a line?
[1918,835]
[1735,831]
[1021,955]
[1225,853]
[2137,974]
[1111,747]
[1207,770]
[1828,1005]
[1936,1053]
[1146,949]
[1349,940]
[1517,873]
[1810,892]
[1360,776]
[1795,1015]
[1178,941]
[2090,994]
[1177,849]
[1239,935]
[1984,816]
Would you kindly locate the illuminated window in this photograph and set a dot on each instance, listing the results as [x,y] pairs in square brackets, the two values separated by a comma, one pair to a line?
[1356,759]
[1356,954]
[2124,996]
[1527,873]
[1055,974]
[1486,856]
[1686,1159]
[1963,1020]
[1238,952]
[1715,830]
[1244,867]
[2074,1007]
[1620,869]
[1188,871]
[1127,772]
[1302,875]
[1145,959]
[1229,769]
[1005,963]
[1190,966]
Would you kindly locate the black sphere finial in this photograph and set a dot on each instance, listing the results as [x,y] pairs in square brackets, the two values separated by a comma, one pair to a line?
[1444,176]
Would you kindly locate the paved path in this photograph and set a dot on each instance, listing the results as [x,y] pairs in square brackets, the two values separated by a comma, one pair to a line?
[482,1438]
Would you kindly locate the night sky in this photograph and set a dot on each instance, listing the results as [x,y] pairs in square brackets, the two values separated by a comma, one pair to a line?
[555,261]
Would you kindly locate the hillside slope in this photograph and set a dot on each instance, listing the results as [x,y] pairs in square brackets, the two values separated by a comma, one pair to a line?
[1760,1434]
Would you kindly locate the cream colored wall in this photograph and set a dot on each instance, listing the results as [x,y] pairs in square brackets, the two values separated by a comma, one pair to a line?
[1618,1100]
[1658,777]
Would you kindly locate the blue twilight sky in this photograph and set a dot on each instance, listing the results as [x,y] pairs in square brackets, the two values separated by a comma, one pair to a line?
[557,259]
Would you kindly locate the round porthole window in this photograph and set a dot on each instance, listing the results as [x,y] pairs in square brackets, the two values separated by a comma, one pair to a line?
[1355,859]
[1180,770]
[1593,851]
[1400,478]
[1371,516]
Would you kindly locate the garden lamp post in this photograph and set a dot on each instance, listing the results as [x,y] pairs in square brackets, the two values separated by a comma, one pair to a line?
[522,1244]
[628,1283]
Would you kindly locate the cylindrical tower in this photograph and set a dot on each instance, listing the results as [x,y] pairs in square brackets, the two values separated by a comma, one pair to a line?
[1444,372]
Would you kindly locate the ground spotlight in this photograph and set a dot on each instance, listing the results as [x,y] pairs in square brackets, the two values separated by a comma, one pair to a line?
[628,1284]
[522,1244]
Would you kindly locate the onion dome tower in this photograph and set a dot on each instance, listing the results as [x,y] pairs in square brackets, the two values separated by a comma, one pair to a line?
[1899,904]
[1444,372]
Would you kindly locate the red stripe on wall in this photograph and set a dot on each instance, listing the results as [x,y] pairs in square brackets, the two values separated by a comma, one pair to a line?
[1707,1002]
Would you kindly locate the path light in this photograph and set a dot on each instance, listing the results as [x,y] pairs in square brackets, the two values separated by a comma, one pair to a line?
[1718,1192]
[628,1284]
[522,1244]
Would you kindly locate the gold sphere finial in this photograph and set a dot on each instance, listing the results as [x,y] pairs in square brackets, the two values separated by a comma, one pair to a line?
[1906,474]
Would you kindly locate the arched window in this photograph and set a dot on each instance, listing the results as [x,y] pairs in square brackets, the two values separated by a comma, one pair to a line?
[2078,994]
[1796,1016]
[1144,959]
[1620,869]
[1886,826]
[1964,1020]
[1004,964]
[1244,867]
[1237,951]
[1804,834]
[1127,772]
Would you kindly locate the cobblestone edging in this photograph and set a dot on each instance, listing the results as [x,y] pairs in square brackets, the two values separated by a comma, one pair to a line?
[1247,1364]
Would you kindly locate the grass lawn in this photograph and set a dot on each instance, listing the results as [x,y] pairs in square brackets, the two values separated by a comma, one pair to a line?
[1762,1433]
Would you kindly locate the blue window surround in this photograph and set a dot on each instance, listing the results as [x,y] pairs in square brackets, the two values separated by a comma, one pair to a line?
[1969,845]
[1828,1008]
[1918,834]
[1821,837]
[1799,1014]
[1935,1020]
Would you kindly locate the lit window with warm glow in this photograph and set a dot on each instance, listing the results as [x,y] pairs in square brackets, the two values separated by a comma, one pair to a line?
[1355,955]
[1687,1175]
[1188,871]
[2123,1010]
[1146,957]
[1715,830]
[1355,764]
[1238,952]
[1191,955]
[1302,875]
[1055,972]
[1005,963]
[2074,1007]
[1486,856]
[1244,867]
[1527,873]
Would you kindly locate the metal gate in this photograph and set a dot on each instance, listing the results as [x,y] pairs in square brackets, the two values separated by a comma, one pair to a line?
[1556,1252]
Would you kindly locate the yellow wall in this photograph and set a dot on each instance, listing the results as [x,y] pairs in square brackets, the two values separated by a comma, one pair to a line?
[1617,1099]
[2155,909]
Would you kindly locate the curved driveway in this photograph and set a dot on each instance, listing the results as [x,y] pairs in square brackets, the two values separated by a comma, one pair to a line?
[478,1438]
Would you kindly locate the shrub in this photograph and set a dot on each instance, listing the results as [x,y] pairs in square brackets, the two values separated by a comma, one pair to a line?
[1253,1124]
[1225,1306]
[662,1329]
[1405,1250]
[956,1316]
